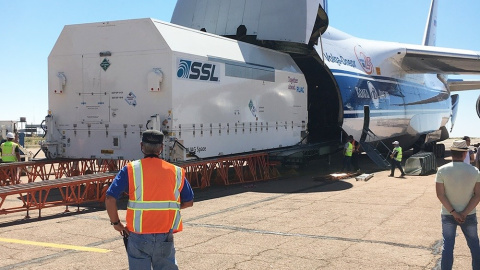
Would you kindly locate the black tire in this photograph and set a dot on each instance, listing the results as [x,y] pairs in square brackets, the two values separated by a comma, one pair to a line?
[442,150]
[430,147]
[439,150]
[416,149]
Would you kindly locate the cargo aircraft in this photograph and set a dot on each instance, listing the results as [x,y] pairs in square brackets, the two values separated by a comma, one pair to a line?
[374,90]
[227,77]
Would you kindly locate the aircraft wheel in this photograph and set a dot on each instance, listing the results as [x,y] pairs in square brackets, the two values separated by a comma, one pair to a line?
[442,150]
[429,147]
[432,148]
[439,150]
[435,150]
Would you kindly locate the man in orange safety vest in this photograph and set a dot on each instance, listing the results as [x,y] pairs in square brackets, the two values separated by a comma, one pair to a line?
[157,190]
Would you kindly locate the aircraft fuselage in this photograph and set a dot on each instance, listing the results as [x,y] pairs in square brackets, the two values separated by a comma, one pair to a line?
[403,106]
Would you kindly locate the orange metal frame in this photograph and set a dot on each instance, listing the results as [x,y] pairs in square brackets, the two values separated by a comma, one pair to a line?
[230,170]
[87,181]
[10,173]
[71,191]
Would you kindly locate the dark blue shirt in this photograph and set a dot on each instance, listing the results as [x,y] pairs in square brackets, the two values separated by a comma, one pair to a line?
[120,185]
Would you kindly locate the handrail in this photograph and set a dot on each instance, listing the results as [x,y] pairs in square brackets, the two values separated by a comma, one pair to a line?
[375,141]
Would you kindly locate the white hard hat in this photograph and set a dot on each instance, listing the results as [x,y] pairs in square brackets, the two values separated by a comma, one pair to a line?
[395,142]
[10,135]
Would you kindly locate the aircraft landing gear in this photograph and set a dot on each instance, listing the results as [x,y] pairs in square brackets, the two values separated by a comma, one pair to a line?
[439,150]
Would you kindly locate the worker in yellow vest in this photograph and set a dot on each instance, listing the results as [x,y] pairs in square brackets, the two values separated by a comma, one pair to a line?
[157,190]
[355,155]
[396,157]
[9,150]
[347,154]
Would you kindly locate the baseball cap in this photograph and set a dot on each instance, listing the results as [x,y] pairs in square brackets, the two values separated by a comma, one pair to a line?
[152,136]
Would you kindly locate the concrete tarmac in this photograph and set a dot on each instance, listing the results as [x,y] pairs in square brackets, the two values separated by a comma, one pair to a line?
[301,221]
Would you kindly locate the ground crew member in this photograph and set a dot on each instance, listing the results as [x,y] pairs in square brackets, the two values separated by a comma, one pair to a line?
[9,150]
[347,154]
[355,155]
[470,158]
[157,191]
[396,157]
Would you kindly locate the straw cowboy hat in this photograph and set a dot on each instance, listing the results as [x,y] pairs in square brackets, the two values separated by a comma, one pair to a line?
[459,145]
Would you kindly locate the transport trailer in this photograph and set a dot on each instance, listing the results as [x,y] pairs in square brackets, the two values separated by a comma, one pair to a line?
[210,95]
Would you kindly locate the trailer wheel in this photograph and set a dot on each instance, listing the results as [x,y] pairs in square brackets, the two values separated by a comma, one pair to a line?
[50,155]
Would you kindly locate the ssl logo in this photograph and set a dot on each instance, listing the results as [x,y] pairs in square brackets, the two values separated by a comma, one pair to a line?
[196,71]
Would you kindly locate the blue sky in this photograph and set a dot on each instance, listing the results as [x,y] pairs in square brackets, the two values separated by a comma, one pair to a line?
[30,28]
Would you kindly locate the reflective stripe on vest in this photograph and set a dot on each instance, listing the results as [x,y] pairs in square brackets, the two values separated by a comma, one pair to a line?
[349,150]
[399,153]
[8,151]
[178,183]
[138,205]
[165,205]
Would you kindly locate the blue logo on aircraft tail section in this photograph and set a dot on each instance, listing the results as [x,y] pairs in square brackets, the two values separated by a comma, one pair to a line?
[194,70]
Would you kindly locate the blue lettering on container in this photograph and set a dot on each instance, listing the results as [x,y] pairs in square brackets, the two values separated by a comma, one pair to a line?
[197,71]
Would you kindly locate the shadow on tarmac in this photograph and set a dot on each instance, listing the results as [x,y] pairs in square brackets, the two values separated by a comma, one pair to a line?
[79,210]
[310,178]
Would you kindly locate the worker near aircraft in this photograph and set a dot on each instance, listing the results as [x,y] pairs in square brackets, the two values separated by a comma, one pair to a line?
[458,189]
[470,157]
[355,155]
[347,154]
[477,160]
[396,158]
[157,191]
[9,150]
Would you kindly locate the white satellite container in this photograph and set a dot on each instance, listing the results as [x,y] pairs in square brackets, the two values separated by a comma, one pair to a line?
[109,82]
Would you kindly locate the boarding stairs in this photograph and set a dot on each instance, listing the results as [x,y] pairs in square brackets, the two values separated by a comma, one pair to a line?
[372,149]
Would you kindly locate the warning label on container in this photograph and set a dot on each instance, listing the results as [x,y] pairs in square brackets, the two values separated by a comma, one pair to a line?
[131,99]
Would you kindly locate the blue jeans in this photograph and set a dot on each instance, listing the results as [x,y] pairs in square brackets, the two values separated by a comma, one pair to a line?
[469,229]
[151,251]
